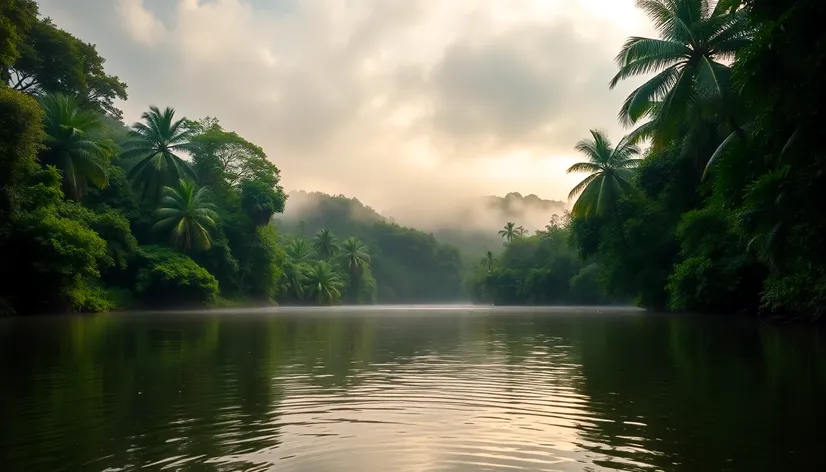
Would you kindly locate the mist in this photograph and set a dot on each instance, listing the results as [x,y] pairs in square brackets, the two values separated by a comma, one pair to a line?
[471,223]
[417,108]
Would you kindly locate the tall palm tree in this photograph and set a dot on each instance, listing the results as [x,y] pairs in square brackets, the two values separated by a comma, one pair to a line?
[322,284]
[299,250]
[157,143]
[509,232]
[697,38]
[188,213]
[72,146]
[610,172]
[325,244]
[356,260]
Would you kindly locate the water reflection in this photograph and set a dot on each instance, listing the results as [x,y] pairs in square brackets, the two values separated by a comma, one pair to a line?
[374,390]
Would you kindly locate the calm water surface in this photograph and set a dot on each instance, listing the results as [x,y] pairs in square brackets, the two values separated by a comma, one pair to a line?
[384,389]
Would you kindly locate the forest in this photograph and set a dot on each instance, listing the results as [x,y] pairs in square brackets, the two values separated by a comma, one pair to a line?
[722,212]
[170,211]
[711,203]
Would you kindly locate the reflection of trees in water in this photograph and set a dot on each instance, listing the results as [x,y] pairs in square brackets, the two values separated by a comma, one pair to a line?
[690,393]
[128,390]
[131,389]
[684,393]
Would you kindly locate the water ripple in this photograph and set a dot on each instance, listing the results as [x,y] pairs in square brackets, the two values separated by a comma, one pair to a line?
[445,392]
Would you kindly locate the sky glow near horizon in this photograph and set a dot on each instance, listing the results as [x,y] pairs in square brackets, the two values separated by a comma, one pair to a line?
[392,102]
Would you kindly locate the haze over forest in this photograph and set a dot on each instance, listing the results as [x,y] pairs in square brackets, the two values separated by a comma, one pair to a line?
[419,109]
[434,139]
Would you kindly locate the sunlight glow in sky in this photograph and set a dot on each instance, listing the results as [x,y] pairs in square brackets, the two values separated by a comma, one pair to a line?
[379,99]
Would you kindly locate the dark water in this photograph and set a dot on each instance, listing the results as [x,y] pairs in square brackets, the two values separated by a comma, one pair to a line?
[410,390]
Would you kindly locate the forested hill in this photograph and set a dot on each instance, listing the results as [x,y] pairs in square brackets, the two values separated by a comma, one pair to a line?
[514,206]
[308,212]
[409,266]
[472,225]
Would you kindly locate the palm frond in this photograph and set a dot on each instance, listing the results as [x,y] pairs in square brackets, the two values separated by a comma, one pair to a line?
[166,222]
[726,6]
[580,187]
[712,78]
[629,164]
[643,132]
[671,21]
[739,133]
[644,66]
[637,48]
[638,103]
[585,205]
[674,104]
[598,148]
[583,167]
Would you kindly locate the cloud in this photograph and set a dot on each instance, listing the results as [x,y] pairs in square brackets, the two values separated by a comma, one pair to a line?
[526,88]
[391,102]
[140,23]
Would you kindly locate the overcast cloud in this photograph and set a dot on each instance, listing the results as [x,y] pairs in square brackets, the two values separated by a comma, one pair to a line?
[391,101]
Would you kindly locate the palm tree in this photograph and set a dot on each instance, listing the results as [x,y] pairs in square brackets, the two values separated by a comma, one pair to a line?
[325,244]
[295,277]
[187,211]
[356,261]
[521,230]
[156,143]
[322,284]
[610,171]
[509,232]
[355,256]
[696,36]
[299,250]
[71,144]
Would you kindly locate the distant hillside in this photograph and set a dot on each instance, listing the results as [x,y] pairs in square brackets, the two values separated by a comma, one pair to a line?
[515,207]
[307,212]
[472,224]
[409,266]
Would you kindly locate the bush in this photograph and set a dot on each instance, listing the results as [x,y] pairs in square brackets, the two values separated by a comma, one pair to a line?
[21,132]
[51,251]
[167,278]
[716,273]
[89,296]
[586,286]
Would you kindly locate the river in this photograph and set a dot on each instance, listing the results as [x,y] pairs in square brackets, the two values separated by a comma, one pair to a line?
[410,389]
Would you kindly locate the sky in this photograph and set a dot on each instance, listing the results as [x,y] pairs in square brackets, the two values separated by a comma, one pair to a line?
[390,101]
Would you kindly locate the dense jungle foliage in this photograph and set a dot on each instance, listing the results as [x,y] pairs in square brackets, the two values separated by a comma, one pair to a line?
[723,210]
[712,202]
[95,215]
[405,265]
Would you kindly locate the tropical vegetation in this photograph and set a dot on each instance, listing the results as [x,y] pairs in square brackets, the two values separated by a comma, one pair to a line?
[540,269]
[720,214]
[712,202]
[380,260]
